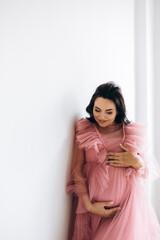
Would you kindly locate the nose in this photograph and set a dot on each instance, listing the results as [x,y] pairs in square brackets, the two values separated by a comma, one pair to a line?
[102,116]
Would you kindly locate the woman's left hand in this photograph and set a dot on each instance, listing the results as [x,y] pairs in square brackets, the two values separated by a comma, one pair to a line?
[123,159]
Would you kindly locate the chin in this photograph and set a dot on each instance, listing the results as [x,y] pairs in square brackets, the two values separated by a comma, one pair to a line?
[103,124]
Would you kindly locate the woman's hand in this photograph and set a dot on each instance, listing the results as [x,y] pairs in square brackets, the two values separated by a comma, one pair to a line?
[103,209]
[124,159]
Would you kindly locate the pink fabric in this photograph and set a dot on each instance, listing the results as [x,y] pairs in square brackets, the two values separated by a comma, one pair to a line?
[124,186]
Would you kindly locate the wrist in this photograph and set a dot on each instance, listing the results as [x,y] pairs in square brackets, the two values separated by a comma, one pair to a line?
[137,164]
[89,207]
[86,201]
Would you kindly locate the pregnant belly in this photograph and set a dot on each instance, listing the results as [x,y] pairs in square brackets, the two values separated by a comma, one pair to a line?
[116,188]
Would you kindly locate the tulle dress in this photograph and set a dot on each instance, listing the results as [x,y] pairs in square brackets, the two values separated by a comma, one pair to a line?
[124,186]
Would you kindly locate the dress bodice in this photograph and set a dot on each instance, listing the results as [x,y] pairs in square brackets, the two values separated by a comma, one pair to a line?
[112,137]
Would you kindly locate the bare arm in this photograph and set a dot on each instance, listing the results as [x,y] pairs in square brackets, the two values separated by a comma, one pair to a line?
[79,178]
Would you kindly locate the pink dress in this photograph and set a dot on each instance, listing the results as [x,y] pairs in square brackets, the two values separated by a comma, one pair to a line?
[124,186]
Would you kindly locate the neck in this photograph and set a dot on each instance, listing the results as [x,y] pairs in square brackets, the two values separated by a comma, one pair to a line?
[110,128]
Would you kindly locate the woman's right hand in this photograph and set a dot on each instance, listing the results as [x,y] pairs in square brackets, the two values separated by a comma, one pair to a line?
[103,209]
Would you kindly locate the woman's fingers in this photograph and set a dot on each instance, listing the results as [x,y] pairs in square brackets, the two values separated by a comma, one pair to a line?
[114,157]
[108,203]
[114,211]
[111,212]
[112,161]
[116,163]
[104,209]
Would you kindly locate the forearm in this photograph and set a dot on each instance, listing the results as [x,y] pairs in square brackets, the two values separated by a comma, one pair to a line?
[86,201]
[81,185]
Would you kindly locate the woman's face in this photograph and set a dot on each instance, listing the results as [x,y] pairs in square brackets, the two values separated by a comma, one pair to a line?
[104,111]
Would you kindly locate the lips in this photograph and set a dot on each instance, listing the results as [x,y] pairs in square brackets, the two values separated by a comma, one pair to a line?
[102,121]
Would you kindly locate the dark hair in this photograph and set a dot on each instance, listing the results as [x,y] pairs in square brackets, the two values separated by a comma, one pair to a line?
[113,92]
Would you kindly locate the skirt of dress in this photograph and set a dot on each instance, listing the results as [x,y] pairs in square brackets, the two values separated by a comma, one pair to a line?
[135,221]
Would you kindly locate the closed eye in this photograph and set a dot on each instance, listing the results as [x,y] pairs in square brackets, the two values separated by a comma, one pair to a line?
[106,112]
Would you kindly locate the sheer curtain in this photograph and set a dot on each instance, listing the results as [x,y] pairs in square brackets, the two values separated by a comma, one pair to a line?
[147,75]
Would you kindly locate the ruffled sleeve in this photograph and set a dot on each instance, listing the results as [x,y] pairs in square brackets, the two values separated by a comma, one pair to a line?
[86,138]
[85,135]
[76,184]
[136,140]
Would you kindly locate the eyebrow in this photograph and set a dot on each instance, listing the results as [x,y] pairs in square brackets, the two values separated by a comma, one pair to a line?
[106,109]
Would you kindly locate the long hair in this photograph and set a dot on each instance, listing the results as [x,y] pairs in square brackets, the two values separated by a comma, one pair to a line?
[113,92]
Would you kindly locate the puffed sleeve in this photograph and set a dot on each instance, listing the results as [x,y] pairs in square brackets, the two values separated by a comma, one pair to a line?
[76,183]
[137,139]
[150,169]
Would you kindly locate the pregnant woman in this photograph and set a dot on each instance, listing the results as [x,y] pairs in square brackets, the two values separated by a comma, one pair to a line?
[110,165]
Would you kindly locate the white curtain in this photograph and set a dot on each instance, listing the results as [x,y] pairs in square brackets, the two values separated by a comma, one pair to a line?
[147,73]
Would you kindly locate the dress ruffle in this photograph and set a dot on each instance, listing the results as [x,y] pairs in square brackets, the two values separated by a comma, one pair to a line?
[135,138]
[86,137]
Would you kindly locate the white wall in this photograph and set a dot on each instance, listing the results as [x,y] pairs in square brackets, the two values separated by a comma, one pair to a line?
[53,54]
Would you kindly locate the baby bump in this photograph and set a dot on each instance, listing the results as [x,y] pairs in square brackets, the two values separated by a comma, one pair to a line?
[116,187]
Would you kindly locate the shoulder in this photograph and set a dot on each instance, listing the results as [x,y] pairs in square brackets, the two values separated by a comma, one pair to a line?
[82,124]
[136,127]
[136,132]
[85,134]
